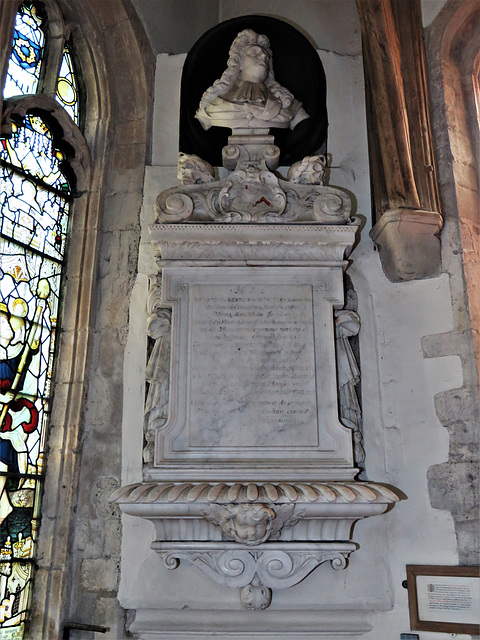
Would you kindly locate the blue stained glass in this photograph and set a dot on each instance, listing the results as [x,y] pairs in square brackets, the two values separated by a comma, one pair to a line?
[67,94]
[25,62]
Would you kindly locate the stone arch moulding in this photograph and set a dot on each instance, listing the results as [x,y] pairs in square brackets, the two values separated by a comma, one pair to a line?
[459,57]
[115,127]
[65,132]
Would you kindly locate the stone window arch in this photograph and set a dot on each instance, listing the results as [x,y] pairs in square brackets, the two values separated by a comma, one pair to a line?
[454,56]
[107,154]
[44,161]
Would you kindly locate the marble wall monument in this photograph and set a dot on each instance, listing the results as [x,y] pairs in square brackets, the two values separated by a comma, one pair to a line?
[252,419]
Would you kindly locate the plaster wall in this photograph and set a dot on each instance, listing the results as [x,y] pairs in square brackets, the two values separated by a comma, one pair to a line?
[403,435]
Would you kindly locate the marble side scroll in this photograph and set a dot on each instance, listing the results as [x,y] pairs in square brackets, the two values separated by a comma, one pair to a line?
[347,325]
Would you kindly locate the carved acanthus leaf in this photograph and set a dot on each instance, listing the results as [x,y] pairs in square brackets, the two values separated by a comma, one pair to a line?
[194,170]
[310,170]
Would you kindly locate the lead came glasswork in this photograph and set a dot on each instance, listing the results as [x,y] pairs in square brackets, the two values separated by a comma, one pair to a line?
[30,149]
[34,219]
[26,59]
[67,94]
[32,212]
[35,199]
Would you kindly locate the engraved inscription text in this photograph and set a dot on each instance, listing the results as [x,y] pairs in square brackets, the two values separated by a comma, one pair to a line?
[252,366]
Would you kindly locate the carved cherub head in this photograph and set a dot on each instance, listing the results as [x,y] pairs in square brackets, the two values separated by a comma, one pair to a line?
[249,523]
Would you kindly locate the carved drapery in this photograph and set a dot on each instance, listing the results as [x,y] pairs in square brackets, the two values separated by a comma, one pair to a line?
[405,193]
[158,366]
[347,325]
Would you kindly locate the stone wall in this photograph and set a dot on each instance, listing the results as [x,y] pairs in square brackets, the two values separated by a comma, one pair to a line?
[79,547]
[454,485]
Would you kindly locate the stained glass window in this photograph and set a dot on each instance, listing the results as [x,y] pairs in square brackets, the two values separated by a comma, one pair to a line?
[67,94]
[26,59]
[34,207]
[35,200]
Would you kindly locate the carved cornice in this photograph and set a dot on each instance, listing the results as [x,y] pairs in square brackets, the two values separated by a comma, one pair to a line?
[241,493]
[297,243]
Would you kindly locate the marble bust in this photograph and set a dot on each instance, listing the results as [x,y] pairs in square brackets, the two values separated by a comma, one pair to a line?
[247,95]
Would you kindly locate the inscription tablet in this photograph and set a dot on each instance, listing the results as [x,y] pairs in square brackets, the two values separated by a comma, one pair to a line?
[252,366]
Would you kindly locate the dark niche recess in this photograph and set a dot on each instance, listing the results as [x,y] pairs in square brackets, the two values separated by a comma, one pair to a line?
[296,66]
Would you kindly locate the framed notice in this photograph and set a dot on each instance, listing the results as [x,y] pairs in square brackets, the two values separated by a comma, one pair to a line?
[445,599]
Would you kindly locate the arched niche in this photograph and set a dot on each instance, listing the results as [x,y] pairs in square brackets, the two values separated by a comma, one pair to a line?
[294,59]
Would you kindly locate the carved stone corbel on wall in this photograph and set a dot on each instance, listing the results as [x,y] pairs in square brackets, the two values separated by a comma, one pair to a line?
[404,185]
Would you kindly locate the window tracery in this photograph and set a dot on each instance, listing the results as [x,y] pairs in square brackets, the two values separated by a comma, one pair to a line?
[36,190]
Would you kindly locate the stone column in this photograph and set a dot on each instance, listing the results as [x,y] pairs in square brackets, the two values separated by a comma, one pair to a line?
[404,187]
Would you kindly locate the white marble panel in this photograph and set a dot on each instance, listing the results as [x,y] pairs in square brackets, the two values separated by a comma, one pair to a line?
[252,366]
[253,370]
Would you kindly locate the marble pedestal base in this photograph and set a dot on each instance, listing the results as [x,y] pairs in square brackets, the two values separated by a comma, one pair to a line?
[255,537]
[171,624]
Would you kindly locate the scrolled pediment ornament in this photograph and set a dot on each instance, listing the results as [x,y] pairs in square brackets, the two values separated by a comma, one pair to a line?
[253,193]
